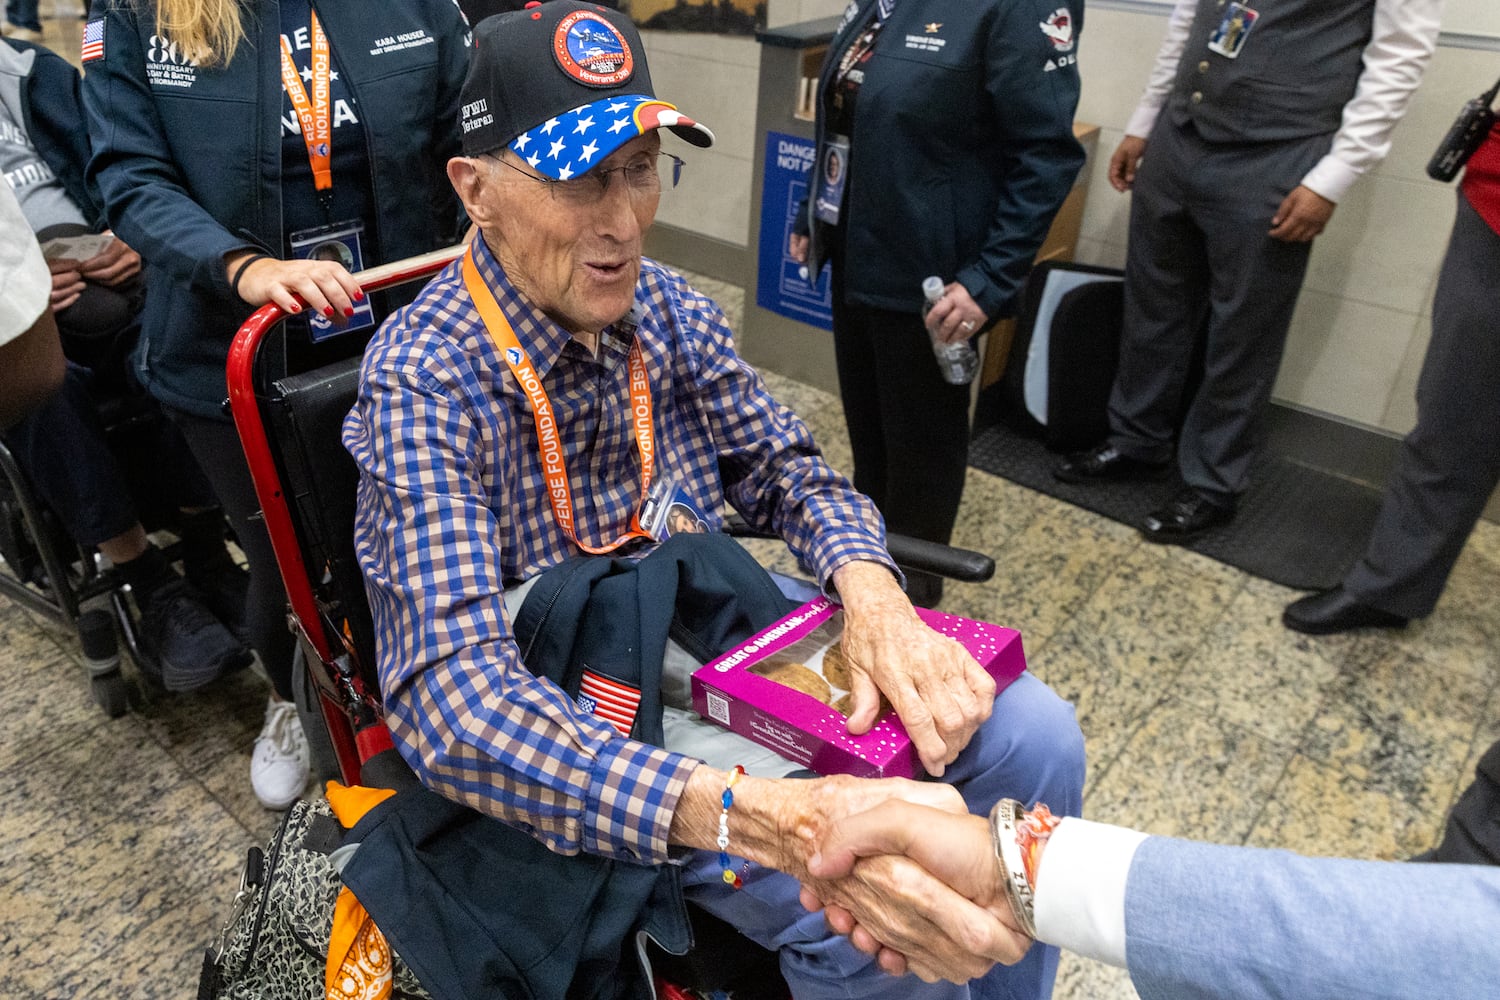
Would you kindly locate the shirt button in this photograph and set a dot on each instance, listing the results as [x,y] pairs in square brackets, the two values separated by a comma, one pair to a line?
[1203,66]
[1197,97]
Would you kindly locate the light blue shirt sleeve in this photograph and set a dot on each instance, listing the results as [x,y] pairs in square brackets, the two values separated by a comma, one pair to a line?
[1207,921]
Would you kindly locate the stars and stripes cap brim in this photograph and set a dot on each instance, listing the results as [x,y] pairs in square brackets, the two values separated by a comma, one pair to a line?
[576,141]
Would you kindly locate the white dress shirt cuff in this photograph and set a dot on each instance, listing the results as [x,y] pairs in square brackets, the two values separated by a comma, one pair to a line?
[1332,178]
[1080,888]
[1143,120]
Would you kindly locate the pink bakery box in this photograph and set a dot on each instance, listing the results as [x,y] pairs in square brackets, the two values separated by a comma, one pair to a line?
[813,733]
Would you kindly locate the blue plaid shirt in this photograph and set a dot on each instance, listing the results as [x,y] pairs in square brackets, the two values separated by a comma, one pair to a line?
[453,509]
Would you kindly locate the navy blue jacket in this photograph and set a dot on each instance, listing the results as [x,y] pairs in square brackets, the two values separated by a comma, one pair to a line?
[53,118]
[962,148]
[189,161]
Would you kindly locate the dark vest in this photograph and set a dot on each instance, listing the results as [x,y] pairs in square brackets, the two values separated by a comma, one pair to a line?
[1297,68]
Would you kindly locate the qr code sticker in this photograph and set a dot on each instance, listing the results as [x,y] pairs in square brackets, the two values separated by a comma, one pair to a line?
[718,708]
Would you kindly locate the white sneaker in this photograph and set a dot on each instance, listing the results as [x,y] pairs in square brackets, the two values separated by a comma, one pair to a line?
[279,767]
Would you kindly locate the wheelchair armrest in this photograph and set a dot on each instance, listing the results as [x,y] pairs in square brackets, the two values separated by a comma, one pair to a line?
[964,565]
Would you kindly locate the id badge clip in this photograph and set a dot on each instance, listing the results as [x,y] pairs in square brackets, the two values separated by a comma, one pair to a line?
[668,511]
[340,243]
[1229,37]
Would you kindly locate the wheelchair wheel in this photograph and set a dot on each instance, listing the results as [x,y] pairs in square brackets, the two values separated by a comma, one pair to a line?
[111,693]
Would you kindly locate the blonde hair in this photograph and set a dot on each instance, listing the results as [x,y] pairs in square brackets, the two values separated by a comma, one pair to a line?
[206,31]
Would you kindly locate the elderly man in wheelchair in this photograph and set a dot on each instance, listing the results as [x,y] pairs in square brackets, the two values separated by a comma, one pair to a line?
[520,412]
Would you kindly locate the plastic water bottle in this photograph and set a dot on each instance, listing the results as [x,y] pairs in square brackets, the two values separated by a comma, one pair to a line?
[958,362]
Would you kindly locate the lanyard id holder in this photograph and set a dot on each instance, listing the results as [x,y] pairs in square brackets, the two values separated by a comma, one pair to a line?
[669,511]
[340,243]
[833,171]
[1229,37]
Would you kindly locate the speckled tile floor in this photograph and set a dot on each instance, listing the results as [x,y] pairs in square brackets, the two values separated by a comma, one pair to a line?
[120,840]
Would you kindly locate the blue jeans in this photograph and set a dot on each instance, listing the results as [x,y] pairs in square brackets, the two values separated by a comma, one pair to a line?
[23,14]
[1030,749]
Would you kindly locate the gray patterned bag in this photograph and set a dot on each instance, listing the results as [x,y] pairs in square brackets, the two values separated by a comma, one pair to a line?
[275,942]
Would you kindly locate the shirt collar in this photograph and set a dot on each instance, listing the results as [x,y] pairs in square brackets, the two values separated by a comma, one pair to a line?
[543,339]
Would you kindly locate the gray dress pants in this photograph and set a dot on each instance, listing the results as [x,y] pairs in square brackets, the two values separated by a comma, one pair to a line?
[1200,262]
[1450,463]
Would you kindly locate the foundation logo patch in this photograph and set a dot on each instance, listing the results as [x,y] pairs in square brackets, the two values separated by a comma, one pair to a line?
[1059,29]
[592,51]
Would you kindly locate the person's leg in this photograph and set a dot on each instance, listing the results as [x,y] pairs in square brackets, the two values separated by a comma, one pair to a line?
[816,963]
[922,424]
[216,446]
[64,451]
[279,766]
[1472,834]
[855,361]
[1166,288]
[1255,283]
[1449,464]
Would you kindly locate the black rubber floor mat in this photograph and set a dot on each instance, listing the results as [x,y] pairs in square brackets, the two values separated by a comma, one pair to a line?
[1296,525]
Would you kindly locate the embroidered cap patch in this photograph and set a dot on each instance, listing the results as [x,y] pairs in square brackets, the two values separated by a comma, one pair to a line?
[591,50]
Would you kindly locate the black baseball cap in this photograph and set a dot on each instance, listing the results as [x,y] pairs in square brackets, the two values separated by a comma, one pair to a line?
[563,84]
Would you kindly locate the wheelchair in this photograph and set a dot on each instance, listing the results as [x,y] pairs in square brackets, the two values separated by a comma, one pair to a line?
[305,482]
[69,584]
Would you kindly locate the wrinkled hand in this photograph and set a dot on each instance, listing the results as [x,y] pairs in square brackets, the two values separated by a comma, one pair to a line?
[324,285]
[1125,161]
[1302,215]
[954,854]
[937,689]
[943,934]
[67,282]
[955,316]
[797,248]
[112,265]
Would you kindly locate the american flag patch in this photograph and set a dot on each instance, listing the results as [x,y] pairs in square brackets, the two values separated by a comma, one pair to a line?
[93,41]
[612,701]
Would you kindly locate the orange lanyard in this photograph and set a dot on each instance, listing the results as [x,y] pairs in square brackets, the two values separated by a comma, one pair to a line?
[554,469]
[313,115]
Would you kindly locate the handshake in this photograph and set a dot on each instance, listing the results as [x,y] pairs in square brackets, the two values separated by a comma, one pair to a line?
[915,881]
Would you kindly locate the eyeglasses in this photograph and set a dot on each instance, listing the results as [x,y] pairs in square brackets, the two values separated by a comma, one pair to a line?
[641,176]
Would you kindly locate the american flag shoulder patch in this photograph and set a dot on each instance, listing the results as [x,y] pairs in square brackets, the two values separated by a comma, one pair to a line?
[93,41]
[613,701]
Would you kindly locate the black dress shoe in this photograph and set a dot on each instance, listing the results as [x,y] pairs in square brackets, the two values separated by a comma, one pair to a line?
[1335,610]
[1104,464]
[1187,515]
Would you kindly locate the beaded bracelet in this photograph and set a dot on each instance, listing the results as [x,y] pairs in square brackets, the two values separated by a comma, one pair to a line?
[730,878]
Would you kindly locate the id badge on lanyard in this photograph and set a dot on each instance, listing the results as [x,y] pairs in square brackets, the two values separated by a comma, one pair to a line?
[1228,39]
[336,241]
[669,511]
[833,171]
